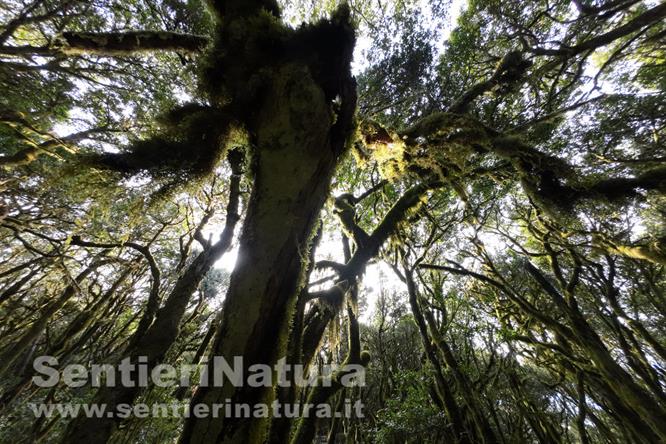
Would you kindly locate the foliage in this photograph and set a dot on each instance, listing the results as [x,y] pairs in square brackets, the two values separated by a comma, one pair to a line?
[504,172]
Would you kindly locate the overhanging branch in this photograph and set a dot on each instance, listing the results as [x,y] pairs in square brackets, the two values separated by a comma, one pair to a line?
[646,19]
[112,44]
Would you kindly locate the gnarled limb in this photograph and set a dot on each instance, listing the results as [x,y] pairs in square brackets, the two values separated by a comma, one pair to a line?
[112,44]
[510,69]
[648,18]
[163,331]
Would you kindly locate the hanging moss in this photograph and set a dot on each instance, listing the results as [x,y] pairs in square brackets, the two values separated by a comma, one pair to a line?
[241,59]
[621,188]
[239,8]
[191,142]
[442,145]
[238,75]
[263,44]
[555,188]
[542,176]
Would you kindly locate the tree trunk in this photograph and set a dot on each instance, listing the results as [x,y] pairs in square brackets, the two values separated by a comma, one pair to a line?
[162,333]
[13,352]
[298,147]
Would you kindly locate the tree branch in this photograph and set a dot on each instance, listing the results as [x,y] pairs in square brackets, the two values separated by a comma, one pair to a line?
[649,17]
[112,44]
[510,69]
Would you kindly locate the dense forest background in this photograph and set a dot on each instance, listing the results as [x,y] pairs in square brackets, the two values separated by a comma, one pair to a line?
[470,204]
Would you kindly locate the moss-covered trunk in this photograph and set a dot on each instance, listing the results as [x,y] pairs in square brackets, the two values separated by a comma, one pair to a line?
[298,145]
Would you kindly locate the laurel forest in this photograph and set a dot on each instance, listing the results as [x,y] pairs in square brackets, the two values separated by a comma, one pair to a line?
[402,221]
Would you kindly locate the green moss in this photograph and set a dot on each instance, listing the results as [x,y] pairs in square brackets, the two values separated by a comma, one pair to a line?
[235,68]
[189,145]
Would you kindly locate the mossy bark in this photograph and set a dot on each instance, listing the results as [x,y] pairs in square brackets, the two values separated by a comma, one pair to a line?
[161,334]
[624,390]
[297,149]
[9,356]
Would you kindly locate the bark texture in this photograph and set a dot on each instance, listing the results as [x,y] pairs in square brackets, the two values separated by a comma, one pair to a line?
[298,138]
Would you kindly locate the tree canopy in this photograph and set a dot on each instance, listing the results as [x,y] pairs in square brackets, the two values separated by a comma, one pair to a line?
[464,198]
